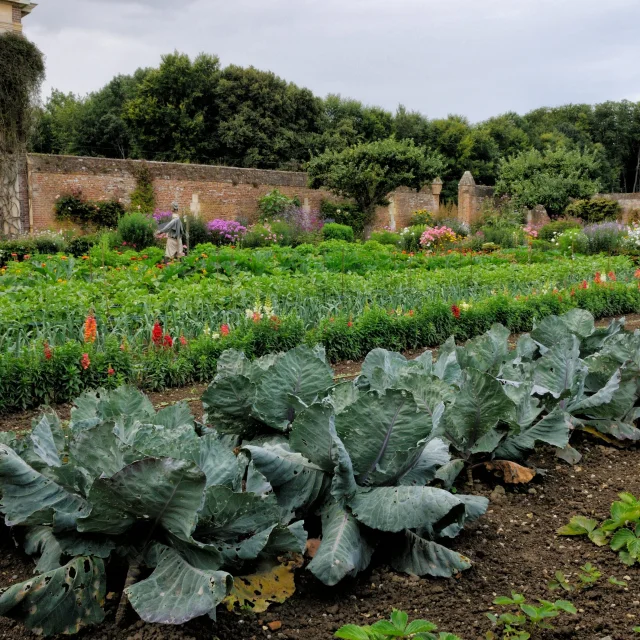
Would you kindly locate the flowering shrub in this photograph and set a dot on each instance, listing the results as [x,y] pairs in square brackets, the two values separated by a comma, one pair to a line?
[632,241]
[161,216]
[605,237]
[90,329]
[226,231]
[437,237]
[531,230]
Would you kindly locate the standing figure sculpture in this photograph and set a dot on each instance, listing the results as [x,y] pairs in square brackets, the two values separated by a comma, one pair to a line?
[174,231]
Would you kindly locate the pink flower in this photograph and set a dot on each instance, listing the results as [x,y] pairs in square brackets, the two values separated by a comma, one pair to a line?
[224,329]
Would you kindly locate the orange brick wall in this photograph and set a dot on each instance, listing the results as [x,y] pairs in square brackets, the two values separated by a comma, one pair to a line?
[223,192]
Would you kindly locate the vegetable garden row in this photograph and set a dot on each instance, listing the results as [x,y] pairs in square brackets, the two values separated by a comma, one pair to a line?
[281,444]
[351,298]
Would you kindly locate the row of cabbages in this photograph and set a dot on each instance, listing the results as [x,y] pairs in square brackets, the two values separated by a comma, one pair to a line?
[190,505]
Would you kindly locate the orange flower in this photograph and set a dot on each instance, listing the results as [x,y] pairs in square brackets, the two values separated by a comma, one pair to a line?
[85,363]
[90,329]
[612,276]
[183,341]
[637,273]
[598,278]
[583,285]
[224,329]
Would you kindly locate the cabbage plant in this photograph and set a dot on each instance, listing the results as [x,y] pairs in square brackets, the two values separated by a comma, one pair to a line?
[124,484]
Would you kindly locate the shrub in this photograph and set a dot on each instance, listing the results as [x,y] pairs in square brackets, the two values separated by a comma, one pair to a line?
[198,231]
[421,217]
[606,237]
[103,213]
[343,213]
[274,204]
[225,231]
[137,230]
[49,243]
[335,231]
[541,245]
[81,245]
[548,231]
[259,235]
[571,241]
[410,237]
[507,236]
[594,210]
[386,237]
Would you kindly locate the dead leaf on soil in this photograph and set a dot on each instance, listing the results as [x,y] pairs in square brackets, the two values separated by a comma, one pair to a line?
[259,590]
[511,472]
[602,436]
[313,544]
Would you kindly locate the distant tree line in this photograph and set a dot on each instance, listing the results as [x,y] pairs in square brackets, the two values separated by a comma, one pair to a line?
[196,111]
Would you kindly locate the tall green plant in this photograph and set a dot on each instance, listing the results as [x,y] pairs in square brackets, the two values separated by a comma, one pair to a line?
[143,197]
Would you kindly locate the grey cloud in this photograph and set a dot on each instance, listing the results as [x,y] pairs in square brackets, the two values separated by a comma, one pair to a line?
[459,56]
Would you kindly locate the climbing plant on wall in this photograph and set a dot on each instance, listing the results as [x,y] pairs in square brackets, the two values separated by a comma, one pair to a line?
[21,74]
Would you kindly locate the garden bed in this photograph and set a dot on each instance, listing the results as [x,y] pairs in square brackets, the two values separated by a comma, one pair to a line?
[513,547]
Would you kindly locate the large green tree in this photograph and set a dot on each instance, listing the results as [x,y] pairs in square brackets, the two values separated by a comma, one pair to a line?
[550,178]
[368,172]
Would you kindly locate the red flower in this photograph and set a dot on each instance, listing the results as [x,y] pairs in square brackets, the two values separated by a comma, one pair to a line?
[156,334]
[597,279]
[349,324]
[111,371]
[637,273]
[168,341]
[183,341]
[573,292]
[26,256]
[256,316]
[48,354]
[455,310]
[411,313]
[123,346]
[612,276]
[224,329]
[583,285]
[85,363]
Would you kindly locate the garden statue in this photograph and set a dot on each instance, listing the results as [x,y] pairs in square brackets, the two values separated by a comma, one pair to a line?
[174,231]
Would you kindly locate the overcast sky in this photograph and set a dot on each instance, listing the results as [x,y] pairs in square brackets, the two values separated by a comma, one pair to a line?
[473,57]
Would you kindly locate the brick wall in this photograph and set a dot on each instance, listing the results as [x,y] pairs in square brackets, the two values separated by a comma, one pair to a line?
[17,15]
[222,192]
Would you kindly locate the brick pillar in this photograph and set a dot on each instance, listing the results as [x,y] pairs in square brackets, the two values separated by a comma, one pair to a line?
[466,198]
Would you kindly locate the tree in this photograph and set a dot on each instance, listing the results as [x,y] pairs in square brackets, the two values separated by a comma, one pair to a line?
[551,178]
[21,74]
[369,172]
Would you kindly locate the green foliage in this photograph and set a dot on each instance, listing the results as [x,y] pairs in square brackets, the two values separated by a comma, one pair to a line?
[198,232]
[621,531]
[137,230]
[21,74]
[345,213]
[143,197]
[550,178]
[398,626]
[410,238]
[369,172]
[421,217]
[150,492]
[587,577]
[102,213]
[386,237]
[552,229]
[520,625]
[594,210]
[334,231]
[275,204]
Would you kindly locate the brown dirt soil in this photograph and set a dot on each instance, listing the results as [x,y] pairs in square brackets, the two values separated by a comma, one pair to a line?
[513,547]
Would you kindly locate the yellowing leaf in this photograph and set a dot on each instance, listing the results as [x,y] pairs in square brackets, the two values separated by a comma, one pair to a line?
[259,590]
[511,472]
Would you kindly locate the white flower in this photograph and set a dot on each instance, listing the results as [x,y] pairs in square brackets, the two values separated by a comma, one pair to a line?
[603,277]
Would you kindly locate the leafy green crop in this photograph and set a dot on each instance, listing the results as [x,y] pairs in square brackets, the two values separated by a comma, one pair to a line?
[398,626]
[125,481]
[621,531]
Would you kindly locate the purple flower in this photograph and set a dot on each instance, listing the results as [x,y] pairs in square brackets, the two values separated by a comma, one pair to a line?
[226,230]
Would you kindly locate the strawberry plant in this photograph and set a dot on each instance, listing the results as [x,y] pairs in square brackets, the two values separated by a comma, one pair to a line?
[398,626]
[524,617]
